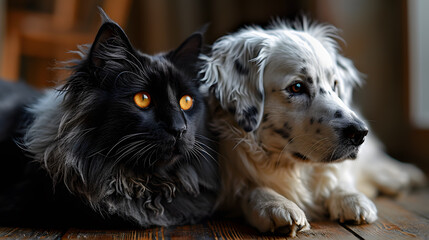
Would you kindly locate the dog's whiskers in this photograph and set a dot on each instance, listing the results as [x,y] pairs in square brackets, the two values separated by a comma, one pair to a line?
[317,145]
[289,142]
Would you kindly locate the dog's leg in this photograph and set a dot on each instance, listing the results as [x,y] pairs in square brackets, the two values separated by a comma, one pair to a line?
[267,211]
[345,205]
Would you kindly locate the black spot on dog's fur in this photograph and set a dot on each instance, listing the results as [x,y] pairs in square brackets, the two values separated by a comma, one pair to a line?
[318,131]
[322,91]
[250,112]
[245,125]
[303,70]
[240,68]
[299,155]
[320,120]
[249,121]
[318,80]
[311,121]
[286,126]
[282,133]
[338,114]
[310,80]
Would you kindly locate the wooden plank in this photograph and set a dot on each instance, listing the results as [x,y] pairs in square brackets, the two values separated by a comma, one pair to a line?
[27,233]
[107,234]
[395,222]
[326,230]
[217,229]
[198,231]
[416,201]
[319,230]
[182,232]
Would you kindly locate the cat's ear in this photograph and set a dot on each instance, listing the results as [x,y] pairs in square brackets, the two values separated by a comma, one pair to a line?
[110,43]
[185,57]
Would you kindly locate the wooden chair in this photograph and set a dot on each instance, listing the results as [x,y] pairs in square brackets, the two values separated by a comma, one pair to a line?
[47,38]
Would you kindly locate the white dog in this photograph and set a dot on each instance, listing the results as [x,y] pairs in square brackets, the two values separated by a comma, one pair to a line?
[283,98]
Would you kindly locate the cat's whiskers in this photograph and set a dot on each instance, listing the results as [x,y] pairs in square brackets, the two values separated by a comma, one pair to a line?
[205,146]
[150,157]
[200,148]
[142,151]
[127,150]
[124,138]
[205,138]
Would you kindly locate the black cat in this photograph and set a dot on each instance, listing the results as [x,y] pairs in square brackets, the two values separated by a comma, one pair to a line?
[123,142]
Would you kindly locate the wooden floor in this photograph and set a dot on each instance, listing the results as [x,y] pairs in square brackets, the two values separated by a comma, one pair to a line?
[405,217]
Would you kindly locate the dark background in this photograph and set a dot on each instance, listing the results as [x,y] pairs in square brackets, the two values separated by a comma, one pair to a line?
[375,34]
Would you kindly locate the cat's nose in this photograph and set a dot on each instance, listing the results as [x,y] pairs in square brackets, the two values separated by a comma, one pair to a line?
[178,132]
[178,128]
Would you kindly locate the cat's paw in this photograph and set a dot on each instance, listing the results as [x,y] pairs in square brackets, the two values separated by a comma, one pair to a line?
[284,216]
[354,207]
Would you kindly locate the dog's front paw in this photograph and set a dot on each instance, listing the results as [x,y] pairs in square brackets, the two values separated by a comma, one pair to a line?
[354,207]
[284,216]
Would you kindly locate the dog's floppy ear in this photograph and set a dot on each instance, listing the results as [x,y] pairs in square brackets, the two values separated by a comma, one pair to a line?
[234,71]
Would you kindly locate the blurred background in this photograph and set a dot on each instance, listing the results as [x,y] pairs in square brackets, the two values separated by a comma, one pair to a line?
[387,39]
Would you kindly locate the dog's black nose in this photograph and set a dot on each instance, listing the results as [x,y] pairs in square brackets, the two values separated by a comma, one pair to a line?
[355,133]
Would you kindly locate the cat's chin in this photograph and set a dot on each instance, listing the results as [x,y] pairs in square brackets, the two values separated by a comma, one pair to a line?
[175,158]
[173,154]
[177,153]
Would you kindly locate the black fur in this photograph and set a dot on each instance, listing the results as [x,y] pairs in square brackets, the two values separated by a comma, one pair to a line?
[300,156]
[240,68]
[282,133]
[249,119]
[91,157]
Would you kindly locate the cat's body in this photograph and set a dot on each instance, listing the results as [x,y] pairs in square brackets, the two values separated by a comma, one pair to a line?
[122,142]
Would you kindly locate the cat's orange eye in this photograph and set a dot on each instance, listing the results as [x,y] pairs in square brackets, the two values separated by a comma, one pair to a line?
[142,99]
[186,102]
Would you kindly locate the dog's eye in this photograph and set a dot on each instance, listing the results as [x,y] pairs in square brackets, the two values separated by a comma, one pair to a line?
[296,88]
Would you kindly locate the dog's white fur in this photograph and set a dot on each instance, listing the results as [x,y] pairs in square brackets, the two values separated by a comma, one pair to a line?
[276,147]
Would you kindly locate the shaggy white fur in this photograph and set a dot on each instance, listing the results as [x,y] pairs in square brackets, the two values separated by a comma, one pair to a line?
[282,104]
